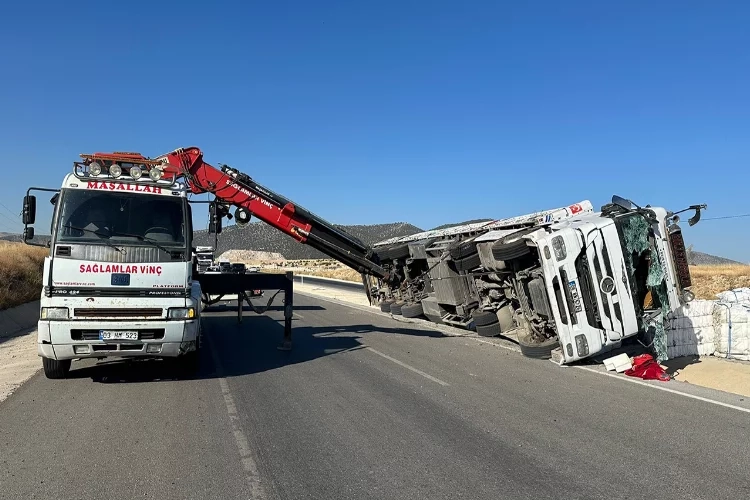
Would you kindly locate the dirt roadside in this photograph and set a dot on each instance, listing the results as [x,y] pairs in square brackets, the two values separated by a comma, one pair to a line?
[18,362]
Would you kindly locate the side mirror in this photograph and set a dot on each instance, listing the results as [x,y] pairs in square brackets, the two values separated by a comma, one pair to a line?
[28,234]
[29,209]
[214,219]
[695,218]
[624,203]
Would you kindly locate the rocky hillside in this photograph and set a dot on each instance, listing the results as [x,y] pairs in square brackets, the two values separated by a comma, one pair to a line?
[704,259]
[262,237]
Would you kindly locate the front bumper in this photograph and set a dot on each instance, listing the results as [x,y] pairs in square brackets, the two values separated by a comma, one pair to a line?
[79,339]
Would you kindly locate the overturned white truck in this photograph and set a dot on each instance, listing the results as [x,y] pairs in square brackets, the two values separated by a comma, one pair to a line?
[570,282]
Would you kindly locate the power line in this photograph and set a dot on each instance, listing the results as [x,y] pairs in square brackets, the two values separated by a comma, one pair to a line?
[728,217]
[9,210]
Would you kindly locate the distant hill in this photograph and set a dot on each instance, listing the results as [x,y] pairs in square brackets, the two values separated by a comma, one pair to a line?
[704,259]
[262,237]
[38,238]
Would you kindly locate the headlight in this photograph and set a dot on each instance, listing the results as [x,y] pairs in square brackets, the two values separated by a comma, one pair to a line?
[135,172]
[155,173]
[115,170]
[558,244]
[181,313]
[54,313]
[95,169]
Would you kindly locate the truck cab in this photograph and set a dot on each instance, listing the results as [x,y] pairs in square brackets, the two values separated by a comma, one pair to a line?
[603,277]
[118,281]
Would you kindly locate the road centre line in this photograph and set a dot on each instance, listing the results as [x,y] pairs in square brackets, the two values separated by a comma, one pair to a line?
[408,367]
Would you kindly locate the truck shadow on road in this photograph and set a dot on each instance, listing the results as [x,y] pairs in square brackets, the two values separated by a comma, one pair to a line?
[234,350]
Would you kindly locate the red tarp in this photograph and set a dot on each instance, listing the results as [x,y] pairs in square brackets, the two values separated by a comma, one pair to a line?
[645,367]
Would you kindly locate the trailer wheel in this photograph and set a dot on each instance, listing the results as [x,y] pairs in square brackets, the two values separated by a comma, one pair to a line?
[463,250]
[412,310]
[511,246]
[396,308]
[56,368]
[385,306]
[484,318]
[466,264]
[537,350]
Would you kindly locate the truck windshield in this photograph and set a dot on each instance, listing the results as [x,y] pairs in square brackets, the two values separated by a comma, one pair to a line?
[124,218]
[645,273]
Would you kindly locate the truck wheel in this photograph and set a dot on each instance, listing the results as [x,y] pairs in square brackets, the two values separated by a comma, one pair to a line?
[484,318]
[466,264]
[396,308]
[486,324]
[56,368]
[412,310]
[537,350]
[385,306]
[464,249]
[511,246]
[492,330]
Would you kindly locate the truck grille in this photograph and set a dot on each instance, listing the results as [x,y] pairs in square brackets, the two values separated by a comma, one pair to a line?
[118,312]
[146,334]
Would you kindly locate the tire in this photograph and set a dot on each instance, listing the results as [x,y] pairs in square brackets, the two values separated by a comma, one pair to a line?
[396,308]
[463,250]
[484,318]
[491,330]
[511,246]
[537,350]
[385,306]
[468,263]
[56,368]
[412,310]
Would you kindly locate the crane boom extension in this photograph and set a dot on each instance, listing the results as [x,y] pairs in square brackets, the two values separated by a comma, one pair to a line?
[232,187]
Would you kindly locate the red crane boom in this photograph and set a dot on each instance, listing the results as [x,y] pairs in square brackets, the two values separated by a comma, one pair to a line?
[232,187]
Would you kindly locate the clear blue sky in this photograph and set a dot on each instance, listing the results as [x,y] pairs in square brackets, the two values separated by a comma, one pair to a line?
[367,111]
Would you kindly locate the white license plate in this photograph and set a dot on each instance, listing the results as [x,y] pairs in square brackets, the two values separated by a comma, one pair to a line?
[576,298]
[117,335]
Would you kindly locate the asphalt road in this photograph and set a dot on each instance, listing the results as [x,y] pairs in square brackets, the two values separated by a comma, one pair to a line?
[363,407]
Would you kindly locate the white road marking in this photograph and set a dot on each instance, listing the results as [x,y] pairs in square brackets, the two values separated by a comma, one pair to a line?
[408,367]
[246,456]
[665,389]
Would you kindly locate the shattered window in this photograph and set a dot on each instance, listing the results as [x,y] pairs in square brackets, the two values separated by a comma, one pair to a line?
[646,276]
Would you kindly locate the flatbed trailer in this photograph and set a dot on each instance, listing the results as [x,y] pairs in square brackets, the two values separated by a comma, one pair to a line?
[222,284]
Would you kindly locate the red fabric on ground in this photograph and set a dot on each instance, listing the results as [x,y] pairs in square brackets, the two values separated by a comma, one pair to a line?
[645,367]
